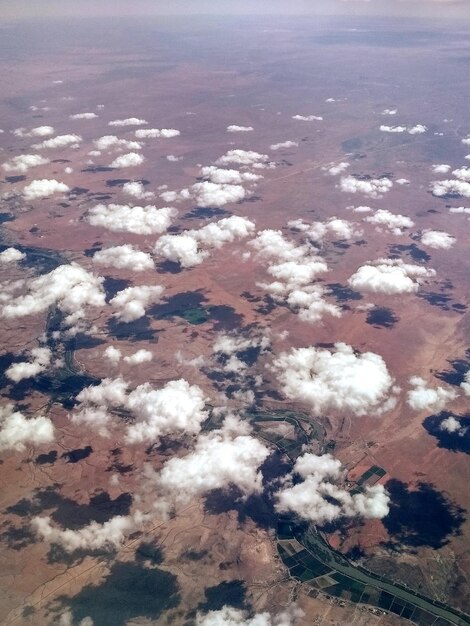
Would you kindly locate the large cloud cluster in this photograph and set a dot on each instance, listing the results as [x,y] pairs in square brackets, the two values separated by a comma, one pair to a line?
[94,536]
[451,187]
[24,162]
[124,257]
[389,276]
[140,220]
[294,268]
[136,189]
[61,141]
[229,616]
[131,303]
[191,247]
[40,358]
[248,158]
[69,287]
[424,398]
[319,499]
[418,129]
[234,128]
[437,239]
[44,188]
[339,380]
[176,408]
[18,431]
[395,223]
[11,255]
[156,133]
[371,187]
[334,227]
[112,141]
[129,121]
[221,458]
[131,159]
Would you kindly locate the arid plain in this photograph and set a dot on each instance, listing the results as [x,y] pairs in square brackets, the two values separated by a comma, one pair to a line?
[301,247]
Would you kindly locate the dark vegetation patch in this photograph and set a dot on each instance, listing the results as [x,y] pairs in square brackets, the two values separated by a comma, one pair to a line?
[120,182]
[342,293]
[421,516]
[6,217]
[381,317]
[129,591]
[169,267]
[149,552]
[46,459]
[40,260]
[204,213]
[17,537]
[412,250]
[231,593]
[78,191]
[137,330]
[68,513]
[74,456]
[456,375]
[112,286]
[458,441]
[15,179]
[98,168]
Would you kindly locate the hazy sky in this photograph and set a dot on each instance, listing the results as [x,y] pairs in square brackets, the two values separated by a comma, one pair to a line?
[14,9]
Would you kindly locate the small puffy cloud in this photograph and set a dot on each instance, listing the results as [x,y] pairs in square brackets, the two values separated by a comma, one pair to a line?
[113,355]
[132,302]
[208,194]
[44,188]
[112,141]
[141,356]
[389,111]
[462,173]
[172,158]
[465,385]
[61,141]
[191,247]
[129,121]
[402,181]
[242,157]
[69,287]
[372,187]
[221,458]
[140,220]
[18,431]
[94,536]
[137,190]
[453,426]
[233,128]
[460,210]
[336,168]
[437,239]
[39,131]
[441,168]
[389,276]
[284,144]
[360,209]
[131,159]
[307,118]
[176,407]
[229,616]
[156,133]
[24,162]
[11,255]
[124,257]
[466,141]
[228,177]
[83,116]
[318,497]
[451,187]
[40,358]
[334,227]
[395,223]
[411,130]
[424,398]
[336,380]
